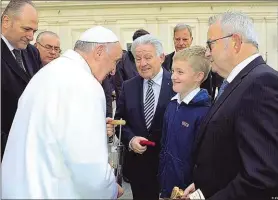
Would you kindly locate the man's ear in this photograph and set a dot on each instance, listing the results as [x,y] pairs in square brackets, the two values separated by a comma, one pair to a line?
[98,51]
[6,21]
[200,77]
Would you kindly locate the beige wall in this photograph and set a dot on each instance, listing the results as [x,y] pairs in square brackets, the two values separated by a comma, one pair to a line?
[70,18]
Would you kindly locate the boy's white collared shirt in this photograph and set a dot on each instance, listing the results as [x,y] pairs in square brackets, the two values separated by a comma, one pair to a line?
[188,97]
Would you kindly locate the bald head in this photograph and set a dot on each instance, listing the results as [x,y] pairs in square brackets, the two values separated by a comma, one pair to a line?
[14,8]
[19,23]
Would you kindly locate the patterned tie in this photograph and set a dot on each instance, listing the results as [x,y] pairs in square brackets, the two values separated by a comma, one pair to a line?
[149,104]
[18,58]
[222,88]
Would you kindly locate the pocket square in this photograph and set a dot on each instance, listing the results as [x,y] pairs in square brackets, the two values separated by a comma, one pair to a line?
[184,123]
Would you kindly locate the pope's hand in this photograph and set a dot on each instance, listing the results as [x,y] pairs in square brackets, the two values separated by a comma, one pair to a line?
[190,189]
[135,145]
[120,191]
[109,127]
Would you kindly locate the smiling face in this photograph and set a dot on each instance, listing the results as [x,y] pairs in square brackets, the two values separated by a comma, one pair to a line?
[19,29]
[184,78]
[147,61]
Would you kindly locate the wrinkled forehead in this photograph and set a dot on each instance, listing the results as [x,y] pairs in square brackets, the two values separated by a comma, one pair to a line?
[143,49]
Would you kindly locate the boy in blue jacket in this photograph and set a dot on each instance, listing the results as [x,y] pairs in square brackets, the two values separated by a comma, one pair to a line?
[182,118]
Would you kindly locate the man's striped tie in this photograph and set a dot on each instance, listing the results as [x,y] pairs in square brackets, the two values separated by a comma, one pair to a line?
[149,104]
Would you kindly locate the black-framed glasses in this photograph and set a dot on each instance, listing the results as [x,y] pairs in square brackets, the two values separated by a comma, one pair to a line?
[209,42]
[50,48]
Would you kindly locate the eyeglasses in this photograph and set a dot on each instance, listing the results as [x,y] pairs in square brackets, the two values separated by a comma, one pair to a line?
[49,48]
[209,42]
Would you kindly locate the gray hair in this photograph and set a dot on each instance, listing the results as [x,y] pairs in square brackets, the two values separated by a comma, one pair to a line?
[236,22]
[40,35]
[14,7]
[148,39]
[182,26]
[87,47]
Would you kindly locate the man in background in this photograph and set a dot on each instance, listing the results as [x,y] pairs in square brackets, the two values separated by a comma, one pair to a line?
[48,44]
[183,39]
[19,59]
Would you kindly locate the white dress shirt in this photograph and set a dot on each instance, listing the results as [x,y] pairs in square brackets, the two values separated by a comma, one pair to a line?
[156,87]
[240,67]
[188,97]
[11,48]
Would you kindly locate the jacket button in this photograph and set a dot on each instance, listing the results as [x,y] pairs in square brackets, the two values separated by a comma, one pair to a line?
[195,166]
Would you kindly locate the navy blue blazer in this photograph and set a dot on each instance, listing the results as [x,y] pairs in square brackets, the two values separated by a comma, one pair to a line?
[237,144]
[125,70]
[13,82]
[130,107]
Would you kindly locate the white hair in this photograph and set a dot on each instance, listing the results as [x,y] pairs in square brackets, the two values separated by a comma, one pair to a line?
[148,39]
[89,46]
[236,22]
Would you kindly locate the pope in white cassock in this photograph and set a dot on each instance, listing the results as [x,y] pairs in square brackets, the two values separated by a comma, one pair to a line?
[57,146]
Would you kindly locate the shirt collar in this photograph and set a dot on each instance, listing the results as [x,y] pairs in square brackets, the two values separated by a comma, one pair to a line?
[240,67]
[188,97]
[7,43]
[158,78]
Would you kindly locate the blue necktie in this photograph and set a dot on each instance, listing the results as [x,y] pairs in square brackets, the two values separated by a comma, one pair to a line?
[149,104]
[222,88]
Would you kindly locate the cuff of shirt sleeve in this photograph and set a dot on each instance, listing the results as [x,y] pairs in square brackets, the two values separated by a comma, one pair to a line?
[115,196]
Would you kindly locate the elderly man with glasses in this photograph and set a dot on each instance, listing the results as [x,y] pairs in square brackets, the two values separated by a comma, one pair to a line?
[48,44]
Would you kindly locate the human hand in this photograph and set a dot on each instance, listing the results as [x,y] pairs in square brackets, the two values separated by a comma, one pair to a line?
[135,145]
[109,127]
[189,190]
[120,191]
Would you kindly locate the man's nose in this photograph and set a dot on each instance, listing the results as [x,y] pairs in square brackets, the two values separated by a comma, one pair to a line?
[143,62]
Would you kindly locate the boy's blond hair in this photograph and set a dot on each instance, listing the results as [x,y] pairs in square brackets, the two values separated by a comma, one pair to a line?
[195,55]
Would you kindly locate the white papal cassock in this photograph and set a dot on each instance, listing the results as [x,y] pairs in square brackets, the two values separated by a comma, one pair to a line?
[57,146]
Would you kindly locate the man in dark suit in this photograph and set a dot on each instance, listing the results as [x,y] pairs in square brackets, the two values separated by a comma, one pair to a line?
[236,147]
[19,60]
[183,39]
[142,104]
[126,68]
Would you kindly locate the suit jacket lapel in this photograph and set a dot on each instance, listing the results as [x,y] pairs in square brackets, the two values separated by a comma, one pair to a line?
[10,60]
[163,98]
[140,86]
[230,88]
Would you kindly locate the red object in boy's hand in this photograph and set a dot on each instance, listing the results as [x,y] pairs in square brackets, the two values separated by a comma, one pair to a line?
[147,143]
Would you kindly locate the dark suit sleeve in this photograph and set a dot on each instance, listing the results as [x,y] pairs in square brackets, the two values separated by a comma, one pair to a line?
[118,79]
[257,138]
[108,96]
[127,133]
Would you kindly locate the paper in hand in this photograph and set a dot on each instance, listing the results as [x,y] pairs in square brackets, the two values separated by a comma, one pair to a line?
[197,195]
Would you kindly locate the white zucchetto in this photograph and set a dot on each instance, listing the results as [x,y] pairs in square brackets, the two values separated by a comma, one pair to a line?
[98,34]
